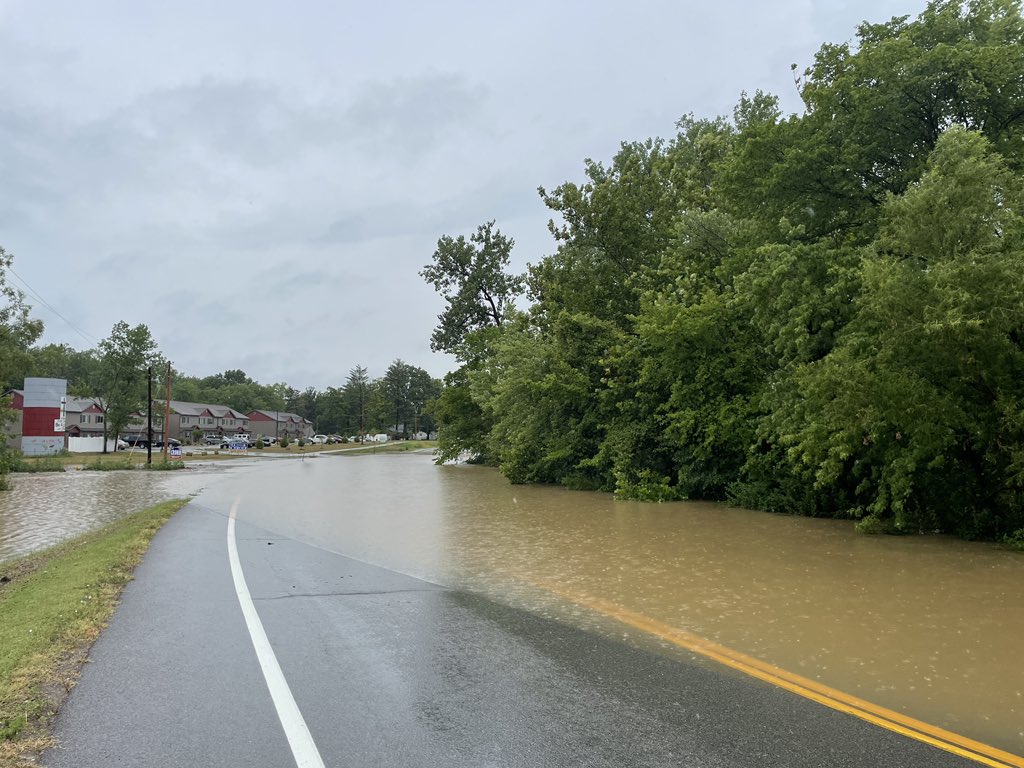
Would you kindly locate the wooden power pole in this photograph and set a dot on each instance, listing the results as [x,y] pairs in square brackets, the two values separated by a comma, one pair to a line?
[167,415]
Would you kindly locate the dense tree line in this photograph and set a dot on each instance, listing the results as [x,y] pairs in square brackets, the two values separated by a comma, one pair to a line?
[819,313]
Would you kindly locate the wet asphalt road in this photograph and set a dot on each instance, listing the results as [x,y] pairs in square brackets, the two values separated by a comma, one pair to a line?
[392,671]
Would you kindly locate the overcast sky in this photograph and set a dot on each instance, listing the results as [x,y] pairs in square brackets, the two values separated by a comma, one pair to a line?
[260,183]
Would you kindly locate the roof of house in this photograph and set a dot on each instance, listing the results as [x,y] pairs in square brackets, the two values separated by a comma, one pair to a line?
[292,418]
[78,404]
[199,409]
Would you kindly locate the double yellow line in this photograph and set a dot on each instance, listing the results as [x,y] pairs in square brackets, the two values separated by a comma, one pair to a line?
[802,686]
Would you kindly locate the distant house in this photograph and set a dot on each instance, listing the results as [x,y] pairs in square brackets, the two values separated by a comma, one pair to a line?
[83,417]
[187,417]
[279,424]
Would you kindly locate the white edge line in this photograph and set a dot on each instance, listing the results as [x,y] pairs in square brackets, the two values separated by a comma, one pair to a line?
[299,738]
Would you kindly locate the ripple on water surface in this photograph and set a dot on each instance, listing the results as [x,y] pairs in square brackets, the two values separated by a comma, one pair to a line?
[926,625]
[48,507]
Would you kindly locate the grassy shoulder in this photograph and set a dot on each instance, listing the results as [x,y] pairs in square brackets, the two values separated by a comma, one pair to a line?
[295,449]
[53,605]
[398,446]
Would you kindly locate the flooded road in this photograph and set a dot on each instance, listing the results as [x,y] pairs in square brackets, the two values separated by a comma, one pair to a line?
[928,626]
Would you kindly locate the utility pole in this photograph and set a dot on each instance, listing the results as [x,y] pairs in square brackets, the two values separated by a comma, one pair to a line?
[149,416]
[167,414]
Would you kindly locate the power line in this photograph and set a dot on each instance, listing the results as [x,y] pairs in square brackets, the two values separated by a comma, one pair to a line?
[48,305]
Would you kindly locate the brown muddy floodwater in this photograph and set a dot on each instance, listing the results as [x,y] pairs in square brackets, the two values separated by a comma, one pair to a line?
[45,508]
[925,625]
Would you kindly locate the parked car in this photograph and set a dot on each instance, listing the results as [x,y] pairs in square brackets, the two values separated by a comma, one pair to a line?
[268,440]
[173,442]
[121,444]
[318,439]
[213,439]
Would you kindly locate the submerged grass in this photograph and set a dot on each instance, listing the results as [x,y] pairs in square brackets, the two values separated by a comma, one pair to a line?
[53,605]
[37,464]
[93,462]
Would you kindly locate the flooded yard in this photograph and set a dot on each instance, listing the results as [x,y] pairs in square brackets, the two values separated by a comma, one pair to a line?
[45,508]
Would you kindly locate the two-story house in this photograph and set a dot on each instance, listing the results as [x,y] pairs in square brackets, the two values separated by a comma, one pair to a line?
[280,424]
[188,418]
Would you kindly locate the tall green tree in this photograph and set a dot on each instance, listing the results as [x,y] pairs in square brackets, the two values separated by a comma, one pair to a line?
[125,355]
[18,330]
[423,389]
[356,393]
[397,385]
[471,275]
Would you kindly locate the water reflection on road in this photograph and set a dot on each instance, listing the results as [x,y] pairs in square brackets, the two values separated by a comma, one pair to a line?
[928,626]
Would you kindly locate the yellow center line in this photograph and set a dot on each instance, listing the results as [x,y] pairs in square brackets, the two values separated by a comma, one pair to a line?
[802,686]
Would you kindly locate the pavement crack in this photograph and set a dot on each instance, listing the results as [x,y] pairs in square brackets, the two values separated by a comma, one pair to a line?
[353,593]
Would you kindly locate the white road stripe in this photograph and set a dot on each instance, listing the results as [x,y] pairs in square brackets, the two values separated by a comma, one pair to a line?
[299,738]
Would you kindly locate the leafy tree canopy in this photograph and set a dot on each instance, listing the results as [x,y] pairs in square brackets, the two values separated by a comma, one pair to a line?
[471,277]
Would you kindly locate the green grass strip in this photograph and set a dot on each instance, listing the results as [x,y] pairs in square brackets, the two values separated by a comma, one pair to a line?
[394,446]
[53,605]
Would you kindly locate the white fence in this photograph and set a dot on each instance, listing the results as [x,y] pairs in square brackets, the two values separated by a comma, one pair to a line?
[89,445]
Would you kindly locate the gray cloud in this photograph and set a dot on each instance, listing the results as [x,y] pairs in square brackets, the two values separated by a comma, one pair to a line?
[186,165]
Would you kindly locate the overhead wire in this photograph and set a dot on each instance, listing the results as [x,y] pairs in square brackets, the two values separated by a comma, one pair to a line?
[33,292]
[88,337]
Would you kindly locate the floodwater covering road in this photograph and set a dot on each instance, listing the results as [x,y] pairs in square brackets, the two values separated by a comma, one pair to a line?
[438,613]
[927,626]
